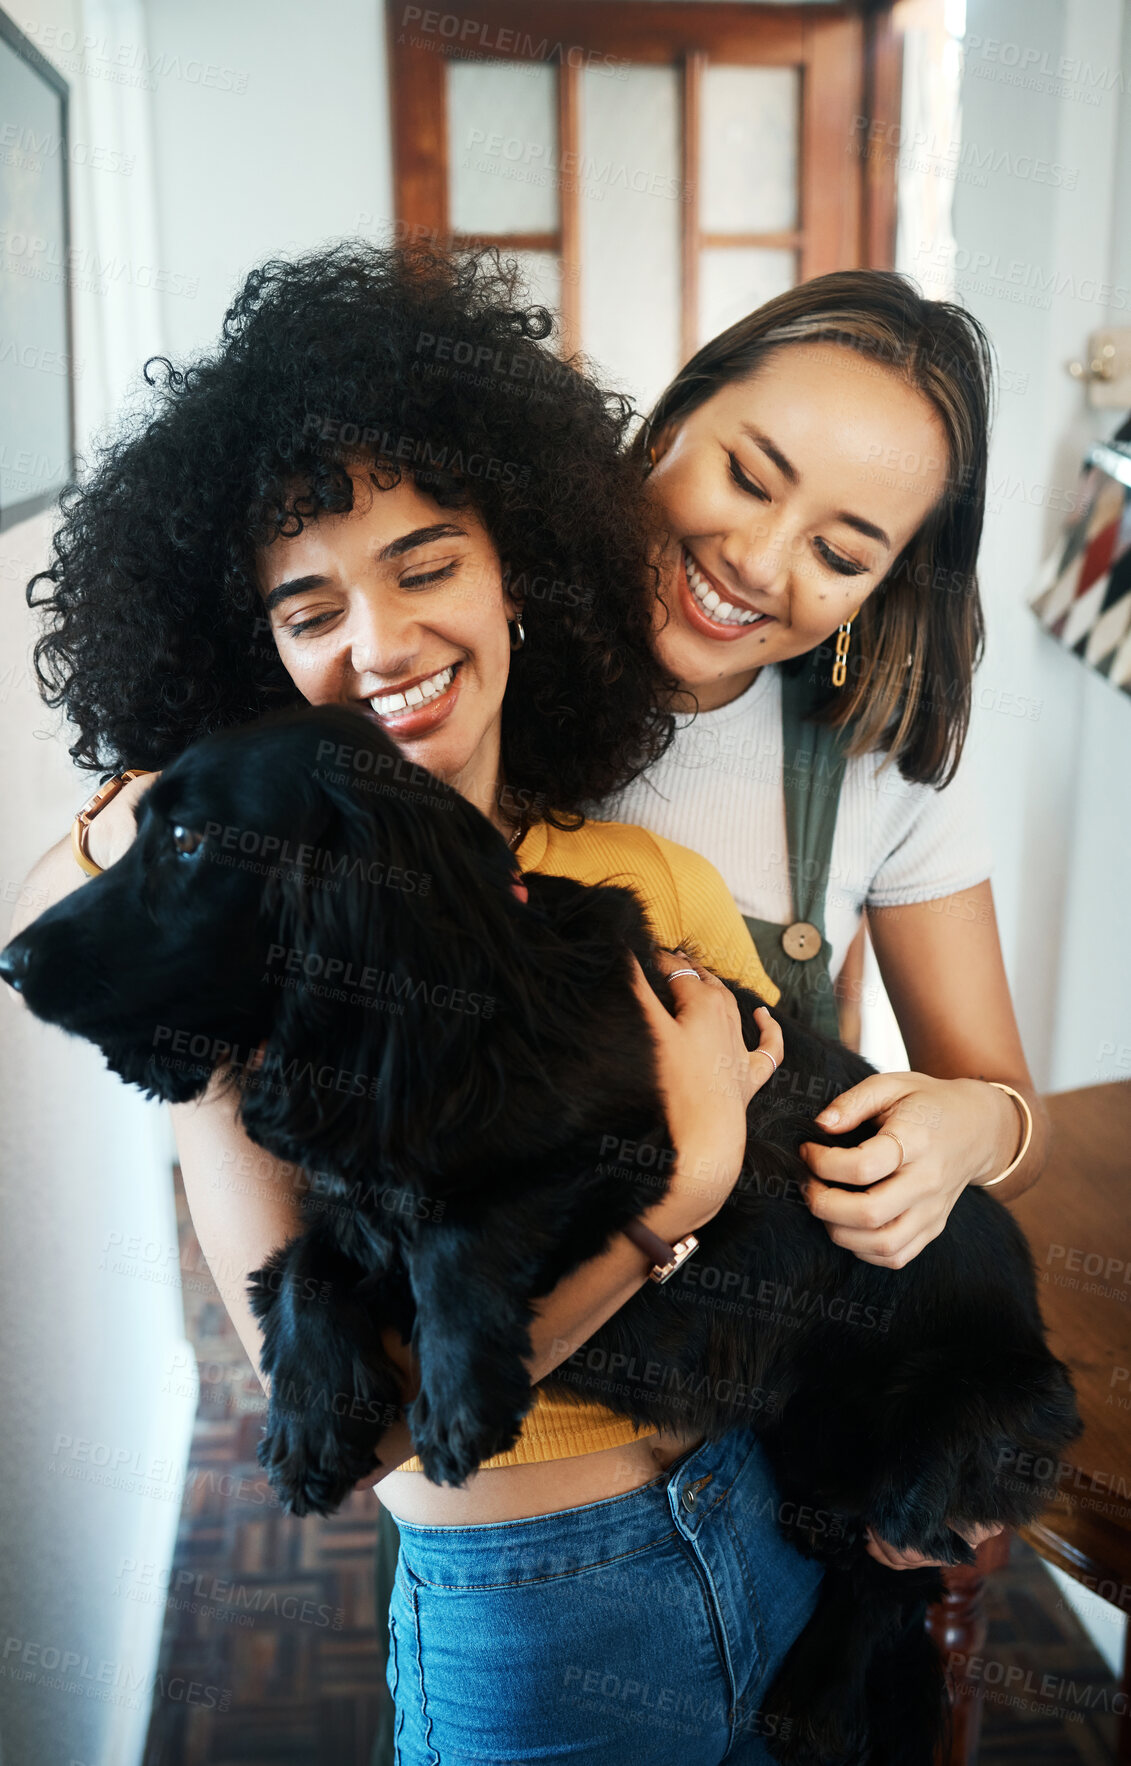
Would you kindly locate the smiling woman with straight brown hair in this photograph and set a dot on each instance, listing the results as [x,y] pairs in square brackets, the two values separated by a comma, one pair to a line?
[925,367]
[818,473]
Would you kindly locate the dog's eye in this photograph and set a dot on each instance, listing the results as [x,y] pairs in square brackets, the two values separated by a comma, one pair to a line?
[185,840]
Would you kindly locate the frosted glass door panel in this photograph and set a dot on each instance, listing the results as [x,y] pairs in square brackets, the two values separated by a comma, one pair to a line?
[502,147]
[748,148]
[733,280]
[631,203]
[543,275]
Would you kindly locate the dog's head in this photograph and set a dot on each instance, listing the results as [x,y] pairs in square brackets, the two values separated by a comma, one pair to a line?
[287,887]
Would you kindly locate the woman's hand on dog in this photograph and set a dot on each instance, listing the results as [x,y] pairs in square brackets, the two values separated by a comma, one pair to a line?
[707,1078]
[114,829]
[913,1560]
[952,1132]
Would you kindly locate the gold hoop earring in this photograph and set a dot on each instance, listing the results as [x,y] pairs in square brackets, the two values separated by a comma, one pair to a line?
[515,625]
[840,662]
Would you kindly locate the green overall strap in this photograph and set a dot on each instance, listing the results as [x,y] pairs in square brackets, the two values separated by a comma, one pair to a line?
[797,956]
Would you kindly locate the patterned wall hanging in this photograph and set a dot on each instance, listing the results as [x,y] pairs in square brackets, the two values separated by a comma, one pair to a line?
[1083,596]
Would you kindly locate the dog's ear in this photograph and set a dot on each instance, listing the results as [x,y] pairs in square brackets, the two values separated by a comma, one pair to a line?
[398,982]
[171,1078]
[335,926]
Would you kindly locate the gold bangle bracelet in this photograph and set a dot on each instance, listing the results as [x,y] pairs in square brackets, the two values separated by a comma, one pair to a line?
[80,827]
[1028,1115]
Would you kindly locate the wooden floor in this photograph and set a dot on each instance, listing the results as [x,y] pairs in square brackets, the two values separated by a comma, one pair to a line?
[283,1633]
[1031,1629]
[273,1618]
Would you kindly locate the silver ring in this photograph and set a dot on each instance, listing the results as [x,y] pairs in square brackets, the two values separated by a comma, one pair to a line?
[676,972]
[899,1144]
[767,1054]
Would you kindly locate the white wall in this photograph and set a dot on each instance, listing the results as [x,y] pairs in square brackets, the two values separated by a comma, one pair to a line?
[1051,739]
[289,149]
[89,1342]
[1056,781]
[90,1338]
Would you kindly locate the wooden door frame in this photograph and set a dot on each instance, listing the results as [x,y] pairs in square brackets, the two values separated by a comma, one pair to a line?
[849,51]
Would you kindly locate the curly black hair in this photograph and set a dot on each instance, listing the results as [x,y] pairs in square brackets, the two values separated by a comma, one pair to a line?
[412,360]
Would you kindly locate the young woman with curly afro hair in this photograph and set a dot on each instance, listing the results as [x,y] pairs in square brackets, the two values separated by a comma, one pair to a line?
[384,489]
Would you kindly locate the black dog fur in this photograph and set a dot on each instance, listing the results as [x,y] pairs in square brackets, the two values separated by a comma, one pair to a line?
[469,1083]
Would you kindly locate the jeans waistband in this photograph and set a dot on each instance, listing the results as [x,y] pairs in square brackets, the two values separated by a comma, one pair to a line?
[592,1533]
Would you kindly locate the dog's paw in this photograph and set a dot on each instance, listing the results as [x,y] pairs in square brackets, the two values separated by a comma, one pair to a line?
[454,1446]
[310,1467]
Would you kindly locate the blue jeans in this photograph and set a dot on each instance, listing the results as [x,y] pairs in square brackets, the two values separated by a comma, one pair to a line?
[643,1629]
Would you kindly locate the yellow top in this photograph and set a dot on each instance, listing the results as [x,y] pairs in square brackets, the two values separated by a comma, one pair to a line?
[687,904]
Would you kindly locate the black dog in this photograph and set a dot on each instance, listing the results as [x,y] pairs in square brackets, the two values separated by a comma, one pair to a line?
[470,1077]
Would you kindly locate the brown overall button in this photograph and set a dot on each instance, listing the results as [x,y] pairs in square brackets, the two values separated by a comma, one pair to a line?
[801,941]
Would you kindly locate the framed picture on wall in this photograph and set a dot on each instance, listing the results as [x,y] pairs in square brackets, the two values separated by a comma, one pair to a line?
[36,354]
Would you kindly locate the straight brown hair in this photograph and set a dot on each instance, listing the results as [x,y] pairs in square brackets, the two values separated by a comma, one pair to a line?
[919,636]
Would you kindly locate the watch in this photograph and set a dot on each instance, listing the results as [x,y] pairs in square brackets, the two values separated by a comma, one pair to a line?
[80,827]
[667,1257]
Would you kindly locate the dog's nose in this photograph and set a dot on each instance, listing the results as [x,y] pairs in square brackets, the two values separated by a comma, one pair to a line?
[15,960]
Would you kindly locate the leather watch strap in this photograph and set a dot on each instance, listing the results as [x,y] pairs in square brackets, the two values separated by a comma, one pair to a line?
[667,1258]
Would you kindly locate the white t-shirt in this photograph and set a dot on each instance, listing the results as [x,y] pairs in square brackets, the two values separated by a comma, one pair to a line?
[719,790]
